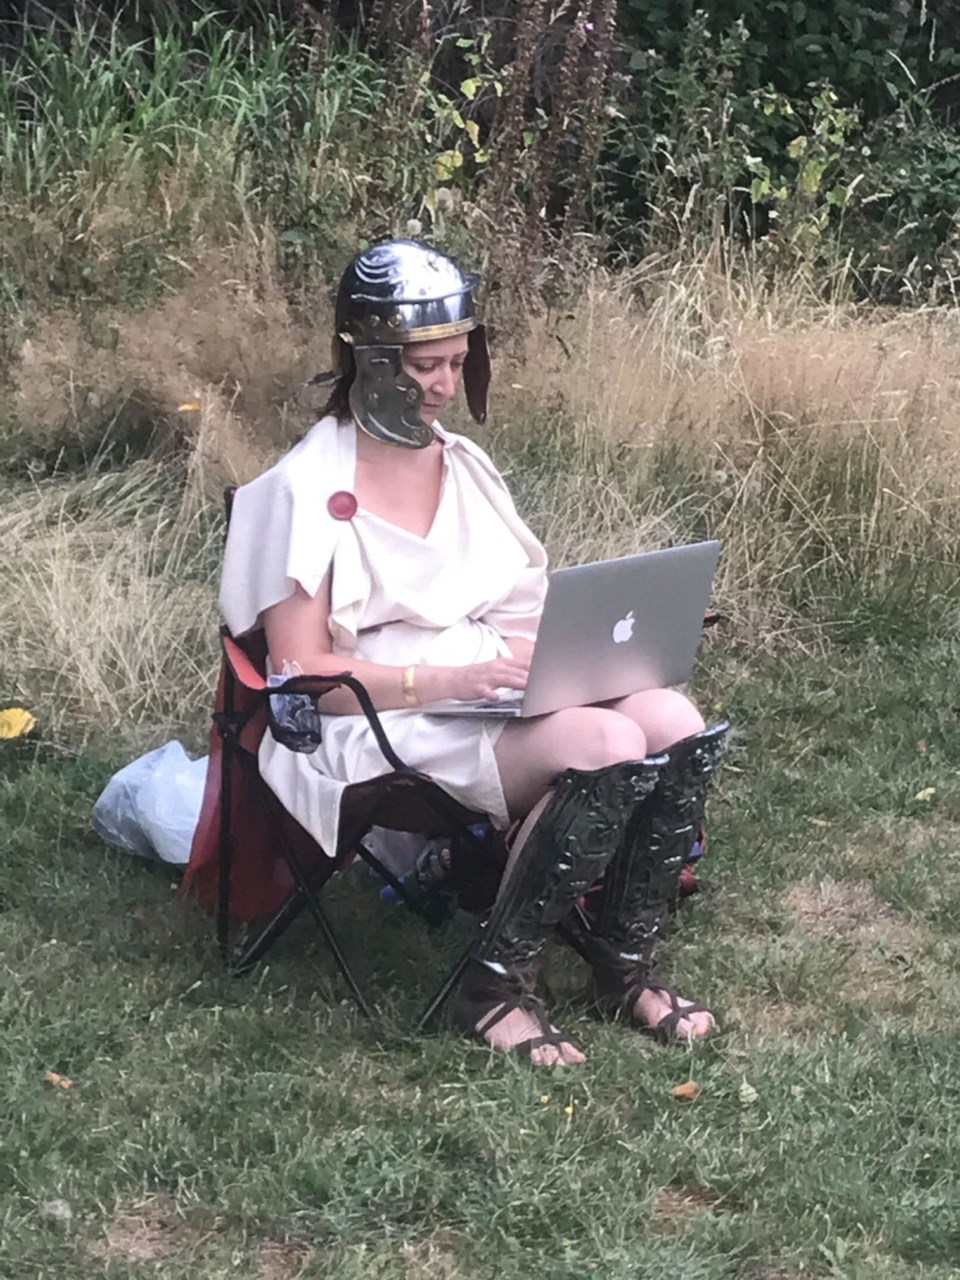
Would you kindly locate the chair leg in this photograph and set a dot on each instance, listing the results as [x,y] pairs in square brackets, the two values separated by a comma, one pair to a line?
[440,998]
[330,938]
[281,919]
[284,916]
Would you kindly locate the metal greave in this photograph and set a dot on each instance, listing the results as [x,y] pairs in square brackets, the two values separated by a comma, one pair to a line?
[566,852]
[643,878]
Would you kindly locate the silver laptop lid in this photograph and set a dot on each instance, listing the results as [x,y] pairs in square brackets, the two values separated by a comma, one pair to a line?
[617,627]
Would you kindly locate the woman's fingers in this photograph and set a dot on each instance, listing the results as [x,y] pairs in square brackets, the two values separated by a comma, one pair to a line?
[511,675]
[484,680]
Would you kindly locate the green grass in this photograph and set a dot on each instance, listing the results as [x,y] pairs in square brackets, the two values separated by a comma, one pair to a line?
[259,1128]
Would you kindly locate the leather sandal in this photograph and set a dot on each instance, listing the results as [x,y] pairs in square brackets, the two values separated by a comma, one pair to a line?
[618,983]
[486,997]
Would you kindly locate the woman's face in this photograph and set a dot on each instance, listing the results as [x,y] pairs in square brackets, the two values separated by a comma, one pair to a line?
[438,367]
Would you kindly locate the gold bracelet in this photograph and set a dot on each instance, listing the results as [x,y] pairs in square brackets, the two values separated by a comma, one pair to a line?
[410,686]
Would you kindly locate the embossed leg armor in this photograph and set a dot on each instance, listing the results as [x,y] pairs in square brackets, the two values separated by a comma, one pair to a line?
[643,878]
[565,853]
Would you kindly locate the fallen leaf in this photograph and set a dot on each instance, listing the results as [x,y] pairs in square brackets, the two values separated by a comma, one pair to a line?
[58,1081]
[189,406]
[922,746]
[748,1093]
[15,722]
[818,822]
[927,793]
[689,1091]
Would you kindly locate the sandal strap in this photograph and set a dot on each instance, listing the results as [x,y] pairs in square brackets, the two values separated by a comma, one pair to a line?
[524,1048]
[487,997]
[619,982]
[666,1029]
[689,1006]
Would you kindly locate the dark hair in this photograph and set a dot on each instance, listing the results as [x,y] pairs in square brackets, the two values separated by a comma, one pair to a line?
[338,402]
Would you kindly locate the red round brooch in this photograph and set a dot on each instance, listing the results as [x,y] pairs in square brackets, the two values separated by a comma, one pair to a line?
[342,505]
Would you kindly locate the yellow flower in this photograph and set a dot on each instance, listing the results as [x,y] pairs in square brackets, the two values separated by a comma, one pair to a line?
[447,164]
[544,1098]
[15,722]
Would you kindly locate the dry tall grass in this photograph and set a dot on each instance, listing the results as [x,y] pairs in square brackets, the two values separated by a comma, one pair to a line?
[821,445]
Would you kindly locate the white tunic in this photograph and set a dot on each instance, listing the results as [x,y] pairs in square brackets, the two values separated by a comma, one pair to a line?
[445,599]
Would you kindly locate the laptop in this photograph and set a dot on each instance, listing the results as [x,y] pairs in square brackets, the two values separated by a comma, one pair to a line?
[609,629]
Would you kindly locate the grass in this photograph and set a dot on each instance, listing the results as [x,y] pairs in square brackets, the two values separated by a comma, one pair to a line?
[258,1128]
[168,212]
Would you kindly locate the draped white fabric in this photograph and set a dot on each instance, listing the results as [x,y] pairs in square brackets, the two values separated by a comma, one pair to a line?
[445,599]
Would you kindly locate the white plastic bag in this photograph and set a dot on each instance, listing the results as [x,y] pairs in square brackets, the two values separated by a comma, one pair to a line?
[152,805]
[397,850]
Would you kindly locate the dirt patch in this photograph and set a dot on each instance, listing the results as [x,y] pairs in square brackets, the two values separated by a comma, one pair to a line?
[879,949]
[929,846]
[148,1232]
[762,1018]
[671,1203]
[283,1261]
[849,911]
[433,1258]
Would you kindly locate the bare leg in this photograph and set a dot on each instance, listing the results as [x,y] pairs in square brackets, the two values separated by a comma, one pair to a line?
[530,753]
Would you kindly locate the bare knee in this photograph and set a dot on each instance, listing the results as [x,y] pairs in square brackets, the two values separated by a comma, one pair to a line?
[592,738]
[531,753]
[664,715]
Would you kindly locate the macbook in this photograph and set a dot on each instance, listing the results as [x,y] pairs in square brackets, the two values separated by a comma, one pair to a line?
[611,628]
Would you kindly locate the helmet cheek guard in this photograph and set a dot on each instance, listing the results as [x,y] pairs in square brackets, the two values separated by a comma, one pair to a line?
[385,400]
[396,293]
[476,373]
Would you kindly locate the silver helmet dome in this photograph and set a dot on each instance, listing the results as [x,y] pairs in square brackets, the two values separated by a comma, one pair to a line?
[394,293]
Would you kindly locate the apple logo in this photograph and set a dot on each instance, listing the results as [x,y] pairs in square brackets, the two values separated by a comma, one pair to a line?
[623,631]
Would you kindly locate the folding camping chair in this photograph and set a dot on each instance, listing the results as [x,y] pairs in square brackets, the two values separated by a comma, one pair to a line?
[251,859]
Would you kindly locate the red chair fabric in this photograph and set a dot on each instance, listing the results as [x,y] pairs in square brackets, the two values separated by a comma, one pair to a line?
[260,874]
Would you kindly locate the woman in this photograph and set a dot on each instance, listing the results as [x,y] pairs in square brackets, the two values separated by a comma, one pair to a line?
[384,540]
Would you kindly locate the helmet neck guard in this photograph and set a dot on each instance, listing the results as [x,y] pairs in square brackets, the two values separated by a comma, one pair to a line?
[395,293]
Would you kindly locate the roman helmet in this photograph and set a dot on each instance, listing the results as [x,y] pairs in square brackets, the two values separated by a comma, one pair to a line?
[394,293]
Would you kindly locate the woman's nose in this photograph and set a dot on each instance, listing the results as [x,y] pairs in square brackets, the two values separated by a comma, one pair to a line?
[446,381]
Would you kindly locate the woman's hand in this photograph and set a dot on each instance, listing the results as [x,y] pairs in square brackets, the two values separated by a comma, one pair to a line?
[478,682]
